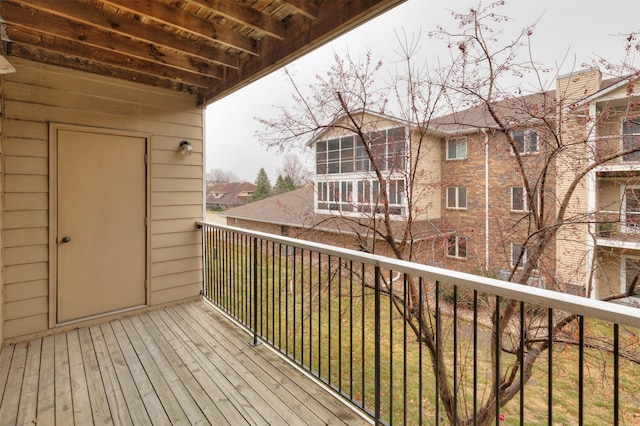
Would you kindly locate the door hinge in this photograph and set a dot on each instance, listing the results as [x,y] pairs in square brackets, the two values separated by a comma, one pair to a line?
[146,159]
[146,221]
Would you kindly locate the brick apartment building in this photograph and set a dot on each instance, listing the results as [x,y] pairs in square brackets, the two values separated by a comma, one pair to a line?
[478,206]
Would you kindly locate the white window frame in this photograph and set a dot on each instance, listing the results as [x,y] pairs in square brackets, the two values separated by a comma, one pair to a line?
[636,155]
[526,143]
[458,239]
[344,196]
[525,204]
[458,142]
[623,274]
[513,258]
[456,201]
[624,214]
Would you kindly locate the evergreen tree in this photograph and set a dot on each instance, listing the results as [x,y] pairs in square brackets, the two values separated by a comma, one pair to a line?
[288,184]
[280,185]
[263,187]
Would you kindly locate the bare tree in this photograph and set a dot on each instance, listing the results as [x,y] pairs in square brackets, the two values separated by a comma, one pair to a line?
[295,168]
[215,176]
[570,147]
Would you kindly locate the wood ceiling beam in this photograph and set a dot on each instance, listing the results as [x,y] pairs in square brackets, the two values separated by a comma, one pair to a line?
[39,55]
[308,8]
[310,34]
[81,12]
[171,16]
[245,15]
[94,36]
[104,57]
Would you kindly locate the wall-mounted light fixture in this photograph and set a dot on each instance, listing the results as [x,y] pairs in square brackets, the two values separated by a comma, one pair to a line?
[185,148]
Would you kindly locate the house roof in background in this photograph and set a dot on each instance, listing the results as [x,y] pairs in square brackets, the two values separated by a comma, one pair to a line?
[209,48]
[295,209]
[231,191]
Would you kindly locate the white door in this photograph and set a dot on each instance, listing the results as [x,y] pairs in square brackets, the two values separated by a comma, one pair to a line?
[101,231]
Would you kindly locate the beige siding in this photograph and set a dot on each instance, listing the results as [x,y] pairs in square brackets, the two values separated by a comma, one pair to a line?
[571,249]
[578,85]
[37,95]
[426,188]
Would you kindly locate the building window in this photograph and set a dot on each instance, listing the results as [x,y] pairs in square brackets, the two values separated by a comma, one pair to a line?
[457,247]
[346,196]
[526,140]
[631,209]
[518,199]
[369,196]
[457,149]
[349,154]
[321,196]
[396,150]
[360,196]
[518,255]
[396,192]
[631,138]
[629,267]
[456,197]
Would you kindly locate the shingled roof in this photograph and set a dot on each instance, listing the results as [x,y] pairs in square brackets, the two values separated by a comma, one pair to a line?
[295,209]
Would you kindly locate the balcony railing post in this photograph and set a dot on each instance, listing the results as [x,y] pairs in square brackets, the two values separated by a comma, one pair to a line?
[377,343]
[255,293]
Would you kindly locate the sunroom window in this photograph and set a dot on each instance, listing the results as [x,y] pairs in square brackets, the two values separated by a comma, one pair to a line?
[631,138]
[348,154]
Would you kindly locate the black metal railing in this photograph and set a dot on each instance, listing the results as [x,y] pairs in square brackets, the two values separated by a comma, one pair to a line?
[412,344]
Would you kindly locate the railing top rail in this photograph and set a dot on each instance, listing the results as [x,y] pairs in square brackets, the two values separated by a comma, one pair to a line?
[612,312]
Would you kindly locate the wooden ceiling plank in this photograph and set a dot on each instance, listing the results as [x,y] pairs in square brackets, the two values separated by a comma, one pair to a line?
[169,15]
[105,57]
[81,12]
[88,34]
[308,36]
[308,8]
[42,55]
[245,15]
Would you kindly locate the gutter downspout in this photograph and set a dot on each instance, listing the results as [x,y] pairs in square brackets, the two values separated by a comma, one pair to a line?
[486,198]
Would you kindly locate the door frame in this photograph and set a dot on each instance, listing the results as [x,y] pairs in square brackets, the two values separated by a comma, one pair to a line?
[53,215]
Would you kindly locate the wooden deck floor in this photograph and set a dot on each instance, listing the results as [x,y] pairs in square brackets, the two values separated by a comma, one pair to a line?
[185,364]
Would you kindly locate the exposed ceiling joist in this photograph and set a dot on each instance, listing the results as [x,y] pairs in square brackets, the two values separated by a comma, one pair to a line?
[206,47]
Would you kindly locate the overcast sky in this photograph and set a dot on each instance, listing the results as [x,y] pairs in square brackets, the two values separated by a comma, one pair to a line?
[576,31]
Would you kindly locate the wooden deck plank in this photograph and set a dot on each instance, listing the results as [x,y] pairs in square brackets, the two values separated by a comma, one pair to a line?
[171,374]
[238,404]
[240,379]
[79,388]
[46,388]
[185,364]
[28,409]
[114,397]
[213,403]
[136,387]
[11,399]
[151,399]
[5,362]
[161,386]
[62,382]
[95,385]
[304,396]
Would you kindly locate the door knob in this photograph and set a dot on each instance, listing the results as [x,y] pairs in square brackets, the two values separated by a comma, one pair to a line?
[65,239]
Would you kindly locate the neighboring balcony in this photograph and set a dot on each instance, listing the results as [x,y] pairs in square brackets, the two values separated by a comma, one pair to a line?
[306,333]
[616,230]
